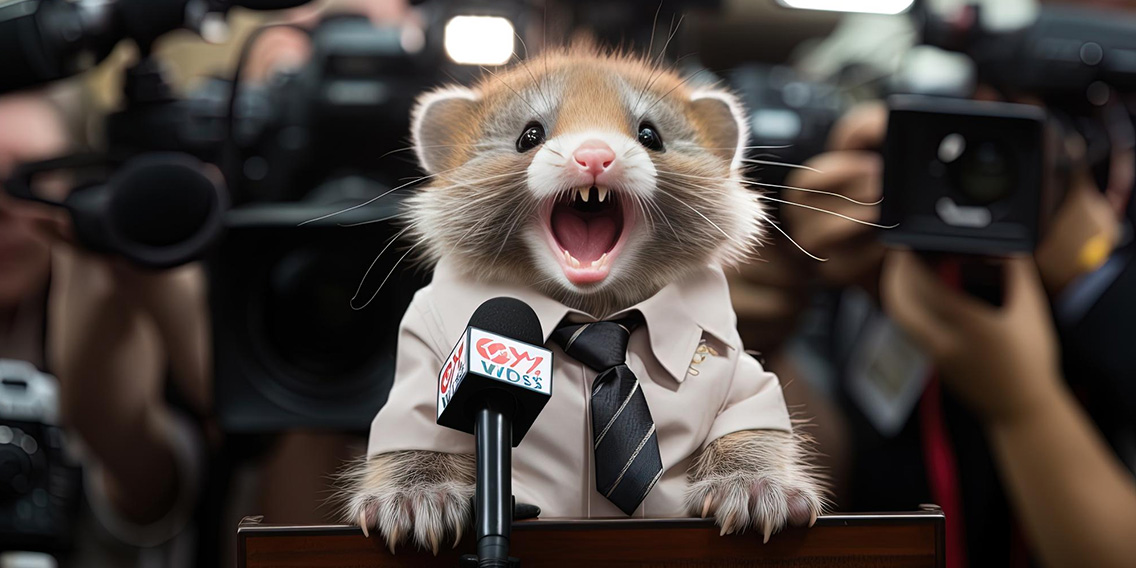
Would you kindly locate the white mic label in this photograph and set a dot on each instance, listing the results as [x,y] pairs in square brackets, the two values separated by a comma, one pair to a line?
[510,361]
[452,372]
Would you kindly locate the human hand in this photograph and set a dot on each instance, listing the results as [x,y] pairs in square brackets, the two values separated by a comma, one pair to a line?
[768,295]
[851,169]
[1002,362]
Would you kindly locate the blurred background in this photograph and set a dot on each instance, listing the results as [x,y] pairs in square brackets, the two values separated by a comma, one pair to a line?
[181,339]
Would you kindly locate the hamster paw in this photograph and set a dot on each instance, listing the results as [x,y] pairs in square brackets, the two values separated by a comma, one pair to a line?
[410,494]
[760,479]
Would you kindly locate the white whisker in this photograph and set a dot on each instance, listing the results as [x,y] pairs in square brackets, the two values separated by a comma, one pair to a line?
[781,164]
[774,224]
[383,283]
[371,222]
[372,266]
[816,191]
[833,213]
[715,225]
[775,186]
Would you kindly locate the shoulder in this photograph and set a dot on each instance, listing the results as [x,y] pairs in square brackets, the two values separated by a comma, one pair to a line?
[443,308]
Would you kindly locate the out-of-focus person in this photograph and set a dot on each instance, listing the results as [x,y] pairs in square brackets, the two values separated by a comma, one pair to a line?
[1030,444]
[130,348]
[109,332]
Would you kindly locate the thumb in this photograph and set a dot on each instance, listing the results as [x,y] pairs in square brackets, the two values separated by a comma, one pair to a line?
[1023,288]
[903,292]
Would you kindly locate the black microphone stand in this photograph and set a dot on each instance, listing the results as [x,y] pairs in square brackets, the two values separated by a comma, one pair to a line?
[493,500]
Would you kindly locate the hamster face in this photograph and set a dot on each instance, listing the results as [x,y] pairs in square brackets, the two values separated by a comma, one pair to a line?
[598,179]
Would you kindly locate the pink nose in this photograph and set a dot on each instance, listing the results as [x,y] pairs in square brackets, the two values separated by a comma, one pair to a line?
[594,157]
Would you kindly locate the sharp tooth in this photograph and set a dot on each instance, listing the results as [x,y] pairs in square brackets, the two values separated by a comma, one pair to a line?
[601,260]
[572,260]
[603,193]
[567,258]
[585,192]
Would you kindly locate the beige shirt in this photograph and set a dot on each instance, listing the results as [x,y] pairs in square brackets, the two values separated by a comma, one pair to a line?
[697,379]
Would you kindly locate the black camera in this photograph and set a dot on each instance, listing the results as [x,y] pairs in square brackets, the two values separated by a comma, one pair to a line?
[983,178]
[292,345]
[968,177]
[39,482]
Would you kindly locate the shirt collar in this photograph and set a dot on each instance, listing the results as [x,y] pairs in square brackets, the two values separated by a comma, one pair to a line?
[675,317]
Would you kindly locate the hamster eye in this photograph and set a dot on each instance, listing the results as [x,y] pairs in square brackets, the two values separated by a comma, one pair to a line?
[649,137]
[532,137]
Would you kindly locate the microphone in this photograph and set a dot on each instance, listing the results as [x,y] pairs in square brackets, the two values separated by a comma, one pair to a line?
[158,210]
[493,385]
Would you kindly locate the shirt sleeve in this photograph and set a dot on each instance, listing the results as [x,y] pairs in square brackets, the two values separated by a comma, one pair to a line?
[408,419]
[754,402]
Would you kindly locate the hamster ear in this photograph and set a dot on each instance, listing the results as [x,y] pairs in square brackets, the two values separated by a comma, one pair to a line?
[722,119]
[441,122]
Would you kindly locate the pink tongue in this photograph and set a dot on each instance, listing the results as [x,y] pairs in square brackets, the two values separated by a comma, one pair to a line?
[586,240]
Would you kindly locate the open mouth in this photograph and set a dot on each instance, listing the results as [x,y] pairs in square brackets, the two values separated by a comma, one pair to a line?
[587,229]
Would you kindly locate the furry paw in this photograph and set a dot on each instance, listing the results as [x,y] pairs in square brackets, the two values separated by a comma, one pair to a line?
[760,479]
[419,494]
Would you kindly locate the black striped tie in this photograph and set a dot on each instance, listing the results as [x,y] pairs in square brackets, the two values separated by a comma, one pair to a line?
[623,434]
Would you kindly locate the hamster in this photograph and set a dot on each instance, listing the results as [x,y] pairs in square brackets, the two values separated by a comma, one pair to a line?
[596,179]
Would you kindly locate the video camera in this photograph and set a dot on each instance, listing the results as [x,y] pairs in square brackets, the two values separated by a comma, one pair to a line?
[290,350]
[984,178]
[39,477]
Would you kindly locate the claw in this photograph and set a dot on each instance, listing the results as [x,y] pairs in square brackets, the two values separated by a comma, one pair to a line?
[434,543]
[458,536]
[727,525]
[768,532]
[812,518]
[392,538]
[706,504]
[363,523]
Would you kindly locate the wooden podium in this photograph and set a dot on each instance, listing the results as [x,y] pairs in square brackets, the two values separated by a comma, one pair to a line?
[876,540]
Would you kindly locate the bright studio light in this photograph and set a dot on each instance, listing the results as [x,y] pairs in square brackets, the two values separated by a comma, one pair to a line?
[479,40]
[865,6]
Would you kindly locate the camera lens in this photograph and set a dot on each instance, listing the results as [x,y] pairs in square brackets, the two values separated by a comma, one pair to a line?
[311,325]
[984,173]
[16,473]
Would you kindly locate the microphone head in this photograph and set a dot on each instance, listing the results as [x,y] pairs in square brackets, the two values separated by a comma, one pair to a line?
[509,317]
[499,357]
[158,210]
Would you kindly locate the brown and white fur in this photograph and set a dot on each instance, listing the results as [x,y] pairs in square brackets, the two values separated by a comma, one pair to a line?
[677,207]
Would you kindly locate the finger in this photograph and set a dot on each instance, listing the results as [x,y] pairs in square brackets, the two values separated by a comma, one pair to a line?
[905,304]
[953,306]
[845,172]
[1023,288]
[863,128]
[855,175]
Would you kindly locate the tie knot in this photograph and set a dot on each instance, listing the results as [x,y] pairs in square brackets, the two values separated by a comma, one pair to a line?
[600,345]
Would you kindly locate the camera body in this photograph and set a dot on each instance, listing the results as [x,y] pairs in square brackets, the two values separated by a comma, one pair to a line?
[339,113]
[39,482]
[293,345]
[968,177]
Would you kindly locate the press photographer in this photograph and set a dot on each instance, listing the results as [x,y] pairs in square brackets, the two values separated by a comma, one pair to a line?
[968,184]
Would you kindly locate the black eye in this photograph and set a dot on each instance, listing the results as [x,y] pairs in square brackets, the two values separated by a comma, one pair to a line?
[649,137]
[532,137]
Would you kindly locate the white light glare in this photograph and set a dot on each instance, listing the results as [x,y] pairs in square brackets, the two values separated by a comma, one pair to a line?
[479,40]
[865,6]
